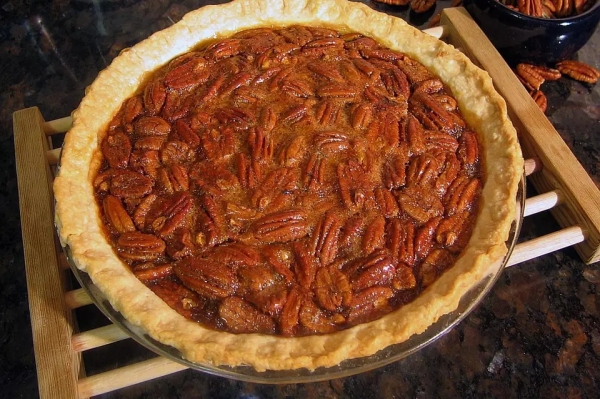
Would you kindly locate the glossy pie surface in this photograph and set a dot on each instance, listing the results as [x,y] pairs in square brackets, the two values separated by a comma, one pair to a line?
[289,181]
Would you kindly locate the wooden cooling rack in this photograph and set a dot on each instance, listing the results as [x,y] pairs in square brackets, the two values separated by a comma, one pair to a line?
[568,193]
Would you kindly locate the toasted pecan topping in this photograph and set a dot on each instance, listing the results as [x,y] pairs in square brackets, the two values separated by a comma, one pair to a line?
[290,181]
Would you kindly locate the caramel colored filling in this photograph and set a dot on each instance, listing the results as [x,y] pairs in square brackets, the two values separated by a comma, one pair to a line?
[289,181]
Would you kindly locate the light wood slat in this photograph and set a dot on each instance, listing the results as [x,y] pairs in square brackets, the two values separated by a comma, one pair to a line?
[542,202]
[532,165]
[58,125]
[97,337]
[561,169]
[52,156]
[77,298]
[546,244]
[127,376]
[57,366]
[62,261]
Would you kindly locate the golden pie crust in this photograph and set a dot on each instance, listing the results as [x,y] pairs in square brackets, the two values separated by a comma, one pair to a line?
[81,229]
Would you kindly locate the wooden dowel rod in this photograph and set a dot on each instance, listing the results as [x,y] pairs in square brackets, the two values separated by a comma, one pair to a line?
[97,337]
[52,156]
[532,165]
[77,298]
[58,125]
[126,376]
[439,32]
[542,202]
[546,244]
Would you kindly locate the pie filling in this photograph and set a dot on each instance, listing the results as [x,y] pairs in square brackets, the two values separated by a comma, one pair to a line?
[290,181]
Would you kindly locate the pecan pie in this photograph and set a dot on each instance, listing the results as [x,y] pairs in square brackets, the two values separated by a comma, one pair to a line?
[318,182]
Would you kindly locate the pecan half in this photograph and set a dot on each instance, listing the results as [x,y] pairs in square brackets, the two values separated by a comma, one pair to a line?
[450,229]
[294,152]
[140,213]
[401,241]
[278,183]
[530,7]
[387,202]
[420,6]
[327,112]
[154,97]
[374,236]
[241,317]
[172,214]
[290,315]
[283,226]
[116,215]
[335,90]
[375,269]
[116,148]
[367,304]
[424,237]
[315,320]
[129,184]
[579,71]
[324,242]
[394,171]
[330,142]
[154,272]
[530,74]
[305,265]
[188,74]
[261,146]
[415,71]
[256,278]
[136,246]
[540,99]
[313,173]
[206,277]
[268,118]
[420,204]
[422,170]
[236,254]
[187,134]
[468,150]
[332,289]
[435,263]
[353,183]
[404,279]
[297,88]
[461,195]
[270,300]
[327,70]
[433,115]
[152,126]
[249,170]
[218,144]
[362,115]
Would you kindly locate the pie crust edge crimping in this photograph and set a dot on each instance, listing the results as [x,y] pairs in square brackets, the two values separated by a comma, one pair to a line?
[77,214]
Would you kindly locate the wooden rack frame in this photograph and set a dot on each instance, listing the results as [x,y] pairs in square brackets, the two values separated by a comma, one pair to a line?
[568,192]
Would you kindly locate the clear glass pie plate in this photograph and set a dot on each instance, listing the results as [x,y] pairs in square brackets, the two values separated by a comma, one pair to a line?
[393,353]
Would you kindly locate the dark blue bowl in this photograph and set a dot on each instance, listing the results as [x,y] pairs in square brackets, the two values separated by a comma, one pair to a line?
[520,38]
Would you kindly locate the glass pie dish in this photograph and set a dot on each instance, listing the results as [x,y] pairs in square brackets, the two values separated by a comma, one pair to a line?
[393,353]
[319,353]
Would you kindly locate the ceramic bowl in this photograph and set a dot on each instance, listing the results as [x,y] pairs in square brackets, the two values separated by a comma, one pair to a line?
[521,38]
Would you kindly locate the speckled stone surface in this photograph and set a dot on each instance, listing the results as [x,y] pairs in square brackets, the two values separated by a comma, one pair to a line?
[537,334]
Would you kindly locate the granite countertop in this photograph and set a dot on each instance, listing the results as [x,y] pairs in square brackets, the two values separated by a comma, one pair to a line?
[537,333]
